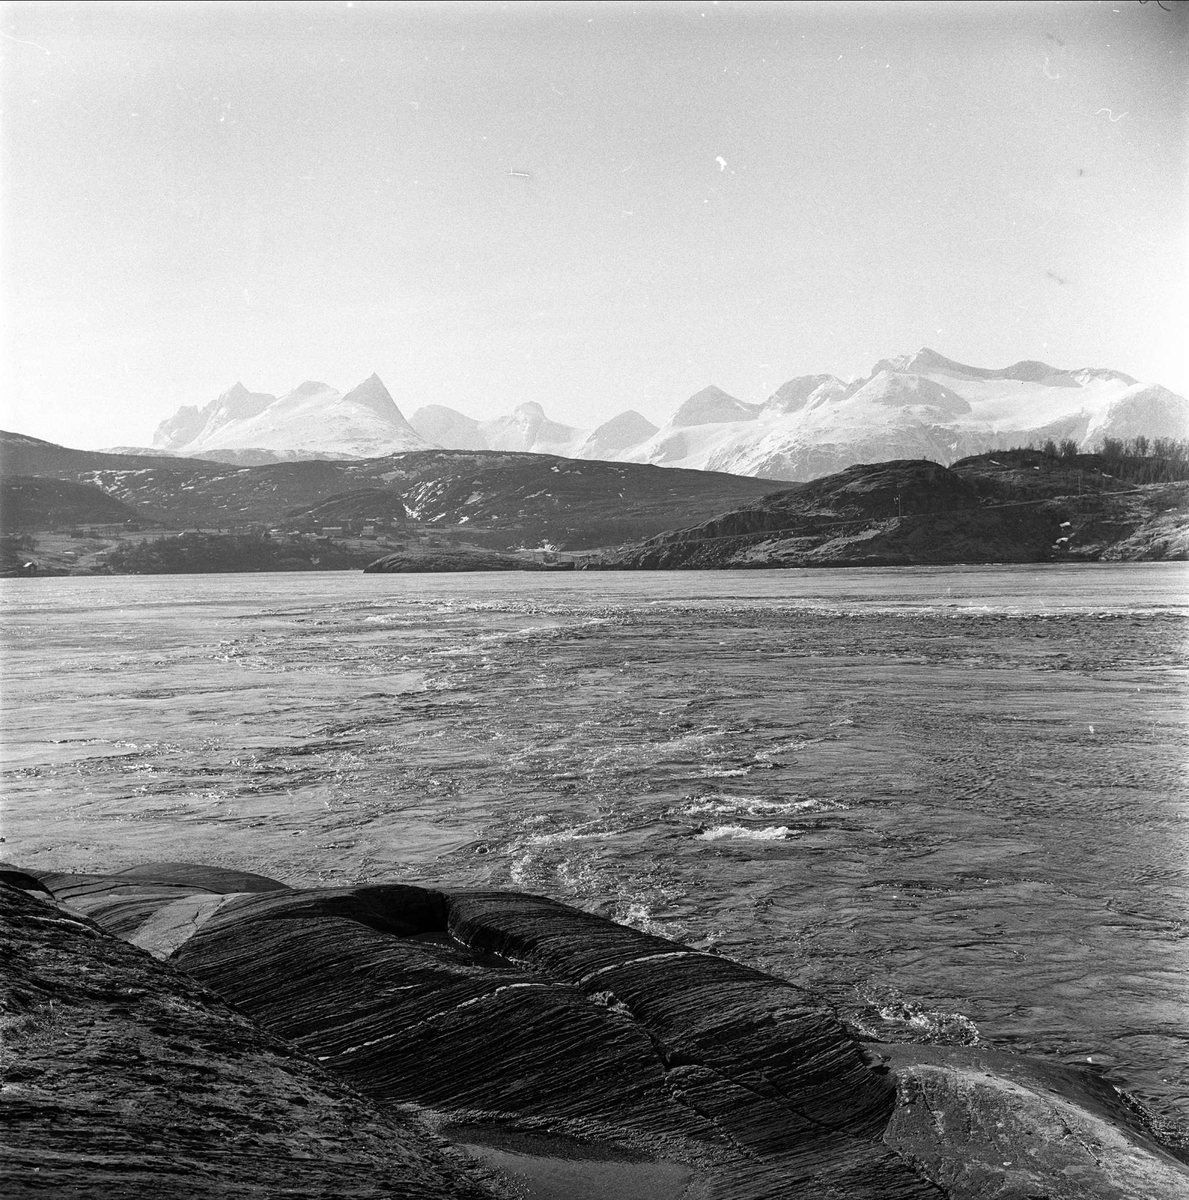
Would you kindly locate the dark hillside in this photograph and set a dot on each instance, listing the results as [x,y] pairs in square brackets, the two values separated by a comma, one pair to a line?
[350,508]
[216,553]
[22,455]
[502,499]
[913,512]
[573,504]
[28,503]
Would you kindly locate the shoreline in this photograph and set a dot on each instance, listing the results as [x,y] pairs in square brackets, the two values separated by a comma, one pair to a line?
[643,1050]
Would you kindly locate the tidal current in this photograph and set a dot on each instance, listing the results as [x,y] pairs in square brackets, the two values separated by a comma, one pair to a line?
[951,801]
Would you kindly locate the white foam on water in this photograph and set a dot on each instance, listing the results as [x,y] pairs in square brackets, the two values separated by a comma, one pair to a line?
[654,753]
[519,869]
[568,835]
[916,1023]
[769,833]
[791,746]
[528,632]
[747,806]
[640,916]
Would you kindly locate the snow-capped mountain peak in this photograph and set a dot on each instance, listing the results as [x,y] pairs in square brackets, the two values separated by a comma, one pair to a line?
[372,394]
[920,405]
[795,394]
[311,421]
[712,406]
[613,437]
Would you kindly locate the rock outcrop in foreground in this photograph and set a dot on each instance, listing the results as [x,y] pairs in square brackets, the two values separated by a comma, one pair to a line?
[175,1030]
[123,1077]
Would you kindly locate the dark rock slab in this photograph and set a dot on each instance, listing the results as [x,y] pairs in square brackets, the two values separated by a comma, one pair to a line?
[416,1018]
[73,889]
[524,1007]
[986,1125]
[758,1058]
[22,880]
[124,1078]
[522,1020]
[210,879]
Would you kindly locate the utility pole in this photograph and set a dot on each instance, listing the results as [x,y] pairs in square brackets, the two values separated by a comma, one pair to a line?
[899,512]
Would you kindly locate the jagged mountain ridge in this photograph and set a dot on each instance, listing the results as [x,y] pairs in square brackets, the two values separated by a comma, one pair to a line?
[920,405]
[311,421]
[917,406]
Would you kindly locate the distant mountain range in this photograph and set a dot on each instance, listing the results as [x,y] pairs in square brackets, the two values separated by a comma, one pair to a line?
[479,509]
[311,421]
[921,405]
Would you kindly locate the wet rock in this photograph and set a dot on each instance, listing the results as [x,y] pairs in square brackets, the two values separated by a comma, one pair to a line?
[525,1010]
[985,1125]
[22,880]
[523,1021]
[209,879]
[123,1077]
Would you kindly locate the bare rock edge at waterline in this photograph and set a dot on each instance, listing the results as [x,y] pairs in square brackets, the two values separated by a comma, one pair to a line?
[175,1030]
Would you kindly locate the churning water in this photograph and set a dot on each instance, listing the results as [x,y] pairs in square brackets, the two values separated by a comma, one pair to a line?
[952,801]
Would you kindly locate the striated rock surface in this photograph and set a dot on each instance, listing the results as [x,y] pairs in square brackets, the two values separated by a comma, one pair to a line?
[122,1077]
[522,1025]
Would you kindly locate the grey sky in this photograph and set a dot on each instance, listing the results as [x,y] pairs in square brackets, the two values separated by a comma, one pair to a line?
[594,207]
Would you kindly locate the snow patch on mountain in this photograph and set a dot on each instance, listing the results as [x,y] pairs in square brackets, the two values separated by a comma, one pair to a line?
[713,406]
[311,421]
[920,405]
[448,427]
[799,392]
[611,439]
[528,429]
[191,425]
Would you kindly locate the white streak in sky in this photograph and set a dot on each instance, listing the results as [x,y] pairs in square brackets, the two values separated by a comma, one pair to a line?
[23,42]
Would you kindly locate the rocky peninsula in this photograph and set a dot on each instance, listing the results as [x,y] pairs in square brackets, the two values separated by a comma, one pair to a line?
[180,1030]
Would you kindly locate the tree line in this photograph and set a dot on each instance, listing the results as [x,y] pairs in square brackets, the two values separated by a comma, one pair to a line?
[1136,459]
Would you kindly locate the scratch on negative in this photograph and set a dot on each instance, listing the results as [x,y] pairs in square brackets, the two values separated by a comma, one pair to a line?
[1111,115]
[24,42]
